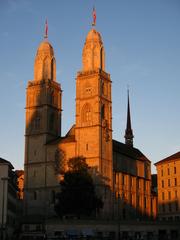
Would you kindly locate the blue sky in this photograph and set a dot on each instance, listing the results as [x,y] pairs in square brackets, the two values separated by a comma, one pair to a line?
[142,45]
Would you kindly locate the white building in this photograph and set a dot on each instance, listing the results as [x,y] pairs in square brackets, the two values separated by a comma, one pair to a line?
[8,199]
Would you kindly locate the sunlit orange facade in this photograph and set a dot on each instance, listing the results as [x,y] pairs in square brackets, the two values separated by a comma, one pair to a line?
[168,174]
[20,183]
[47,151]
[132,183]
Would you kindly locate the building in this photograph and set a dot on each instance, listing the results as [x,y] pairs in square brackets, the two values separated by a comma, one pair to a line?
[113,230]
[8,199]
[154,195]
[46,152]
[132,177]
[127,172]
[132,181]
[20,183]
[168,175]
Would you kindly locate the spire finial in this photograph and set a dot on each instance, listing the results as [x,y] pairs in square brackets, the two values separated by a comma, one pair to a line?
[128,132]
[46,30]
[128,90]
[94,17]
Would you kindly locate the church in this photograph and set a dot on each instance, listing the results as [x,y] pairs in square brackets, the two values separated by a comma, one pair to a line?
[125,170]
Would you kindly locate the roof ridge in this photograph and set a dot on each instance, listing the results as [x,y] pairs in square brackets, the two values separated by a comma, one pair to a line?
[171,157]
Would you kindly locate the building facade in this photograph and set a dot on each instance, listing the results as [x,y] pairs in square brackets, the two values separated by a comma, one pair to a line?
[168,176]
[132,177]
[8,199]
[20,183]
[47,152]
[132,182]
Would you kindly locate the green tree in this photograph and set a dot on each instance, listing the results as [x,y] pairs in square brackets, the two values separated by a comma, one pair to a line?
[77,196]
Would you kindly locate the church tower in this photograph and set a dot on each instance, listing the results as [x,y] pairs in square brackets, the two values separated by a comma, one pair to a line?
[43,124]
[93,108]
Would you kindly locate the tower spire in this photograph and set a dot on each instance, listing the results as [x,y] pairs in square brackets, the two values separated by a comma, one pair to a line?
[128,132]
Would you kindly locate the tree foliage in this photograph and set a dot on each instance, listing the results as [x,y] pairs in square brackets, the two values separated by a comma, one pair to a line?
[78,164]
[77,196]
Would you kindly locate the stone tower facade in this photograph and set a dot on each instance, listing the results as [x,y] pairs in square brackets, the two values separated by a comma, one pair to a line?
[93,108]
[47,152]
[43,123]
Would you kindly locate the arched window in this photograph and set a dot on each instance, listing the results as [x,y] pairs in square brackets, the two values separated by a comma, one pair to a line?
[37,98]
[52,69]
[51,122]
[36,123]
[51,97]
[46,68]
[86,113]
[102,58]
[102,111]
[102,87]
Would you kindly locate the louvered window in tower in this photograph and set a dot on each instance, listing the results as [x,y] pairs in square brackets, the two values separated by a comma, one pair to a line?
[102,111]
[51,122]
[51,97]
[36,123]
[46,68]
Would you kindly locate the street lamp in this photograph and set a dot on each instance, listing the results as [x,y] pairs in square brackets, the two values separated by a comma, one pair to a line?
[2,220]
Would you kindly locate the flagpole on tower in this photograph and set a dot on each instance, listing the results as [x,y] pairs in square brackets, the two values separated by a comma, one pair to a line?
[94,17]
[46,30]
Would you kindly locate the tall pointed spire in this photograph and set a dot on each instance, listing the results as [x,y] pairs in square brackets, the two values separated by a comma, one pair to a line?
[128,132]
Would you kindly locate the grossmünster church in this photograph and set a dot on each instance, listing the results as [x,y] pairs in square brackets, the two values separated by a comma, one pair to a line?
[126,171]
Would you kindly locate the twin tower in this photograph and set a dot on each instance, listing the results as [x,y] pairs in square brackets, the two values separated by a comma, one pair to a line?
[46,151]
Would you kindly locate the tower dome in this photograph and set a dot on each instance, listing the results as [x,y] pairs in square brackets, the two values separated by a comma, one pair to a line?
[45,63]
[93,35]
[46,48]
[93,56]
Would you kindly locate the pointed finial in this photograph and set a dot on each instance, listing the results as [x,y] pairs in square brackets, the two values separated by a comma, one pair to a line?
[46,29]
[94,17]
[128,90]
